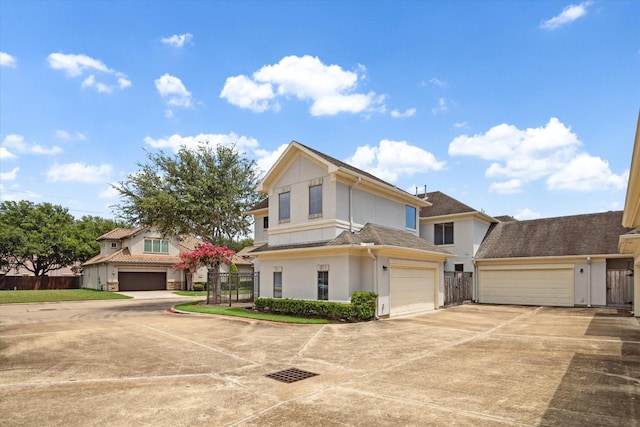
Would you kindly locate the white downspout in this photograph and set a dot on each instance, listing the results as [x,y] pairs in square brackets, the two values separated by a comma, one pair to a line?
[588,281]
[375,274]
[351,187]
[475,280]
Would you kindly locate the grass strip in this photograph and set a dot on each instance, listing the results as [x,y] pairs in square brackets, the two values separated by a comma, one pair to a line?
[193,307]
[56,295]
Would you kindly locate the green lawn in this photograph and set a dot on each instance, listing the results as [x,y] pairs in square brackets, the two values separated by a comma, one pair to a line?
[241,312]
[55,295]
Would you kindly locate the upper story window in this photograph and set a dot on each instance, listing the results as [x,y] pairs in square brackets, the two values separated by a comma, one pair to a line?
[315,200]
[284,206]
[443,233]
[411,217]
[114,245]
[265,222]
[157,246]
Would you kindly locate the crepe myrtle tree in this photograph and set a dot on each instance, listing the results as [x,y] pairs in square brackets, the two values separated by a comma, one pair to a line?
[206,255]
[202,192]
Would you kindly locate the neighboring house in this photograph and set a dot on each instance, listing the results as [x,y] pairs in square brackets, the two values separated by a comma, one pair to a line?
[328,229]
[454,226]
[563,261]
[630,243]
[138,259]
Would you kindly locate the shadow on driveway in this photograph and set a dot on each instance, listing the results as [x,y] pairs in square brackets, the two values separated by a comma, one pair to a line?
[606,387]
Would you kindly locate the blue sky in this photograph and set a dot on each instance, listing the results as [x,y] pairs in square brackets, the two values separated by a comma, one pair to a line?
[523,108]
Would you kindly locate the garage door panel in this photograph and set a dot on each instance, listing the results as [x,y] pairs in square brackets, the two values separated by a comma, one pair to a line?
[411,290]
[136,281]
[527,286]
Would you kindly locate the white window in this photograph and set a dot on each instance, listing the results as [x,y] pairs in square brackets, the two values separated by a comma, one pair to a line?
[323,285]
[156,246]
[410,217]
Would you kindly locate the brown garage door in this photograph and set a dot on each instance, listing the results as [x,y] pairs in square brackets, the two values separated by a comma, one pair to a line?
[142,281]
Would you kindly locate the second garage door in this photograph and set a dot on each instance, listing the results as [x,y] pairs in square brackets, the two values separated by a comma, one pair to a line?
[150,281]
[527,286]
[411,290]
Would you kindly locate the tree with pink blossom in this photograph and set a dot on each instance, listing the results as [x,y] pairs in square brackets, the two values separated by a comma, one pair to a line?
[206,255]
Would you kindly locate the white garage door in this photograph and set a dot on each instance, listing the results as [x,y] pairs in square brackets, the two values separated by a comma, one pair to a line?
[411,290]
[526,286]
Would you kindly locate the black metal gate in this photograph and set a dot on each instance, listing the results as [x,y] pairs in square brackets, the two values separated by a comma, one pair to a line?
[229,288]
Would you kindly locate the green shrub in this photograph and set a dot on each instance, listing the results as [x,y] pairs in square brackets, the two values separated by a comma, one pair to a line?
[200,286]
[362,307]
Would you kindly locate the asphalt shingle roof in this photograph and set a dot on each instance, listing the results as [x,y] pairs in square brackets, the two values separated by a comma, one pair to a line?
[370,233]
[443,204]
[589,234]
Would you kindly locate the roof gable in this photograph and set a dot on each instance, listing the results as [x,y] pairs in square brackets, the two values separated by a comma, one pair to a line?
[333,166]
[589,234]
[121,233]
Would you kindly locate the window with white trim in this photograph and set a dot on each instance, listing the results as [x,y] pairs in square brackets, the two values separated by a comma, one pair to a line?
[156,246]
[323,282]
[443,233]
[410,212]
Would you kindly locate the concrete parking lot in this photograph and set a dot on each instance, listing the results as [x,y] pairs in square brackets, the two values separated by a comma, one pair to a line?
[131,363]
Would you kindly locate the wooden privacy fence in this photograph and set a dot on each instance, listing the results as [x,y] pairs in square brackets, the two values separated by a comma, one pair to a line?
[458,287]
[26,283]
[620,287]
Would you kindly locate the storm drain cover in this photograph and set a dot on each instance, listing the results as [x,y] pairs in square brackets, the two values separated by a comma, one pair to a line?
[291,375]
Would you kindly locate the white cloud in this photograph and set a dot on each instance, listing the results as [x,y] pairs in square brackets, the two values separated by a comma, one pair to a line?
[266,159]
[567,16]
[243,92]
[9,176]
[508,187]
[587,173]
[437,82]
[460,125]
[407,113]
[172,88]
[7,60]
[6,154]
[17,144]
[329,88]
[79,172]
[177,40]
[175,142]
[441,108]
[77,65]
[391,159]
[551,152]
[109,192]
[524,214]
[64,135]
[123,82]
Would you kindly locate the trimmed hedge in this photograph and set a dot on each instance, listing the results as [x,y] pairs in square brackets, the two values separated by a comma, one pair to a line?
[361,308]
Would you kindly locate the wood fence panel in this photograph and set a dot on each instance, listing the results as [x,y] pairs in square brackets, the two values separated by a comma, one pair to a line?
[26,283]
[619,287]
[458,287]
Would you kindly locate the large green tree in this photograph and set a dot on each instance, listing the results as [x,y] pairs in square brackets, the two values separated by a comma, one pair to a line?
[41,238]
[202,192]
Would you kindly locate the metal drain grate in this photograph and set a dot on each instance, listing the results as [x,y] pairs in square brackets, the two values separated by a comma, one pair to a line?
[291,375]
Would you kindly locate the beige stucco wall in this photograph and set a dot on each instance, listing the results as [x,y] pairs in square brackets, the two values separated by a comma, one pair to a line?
[467,235]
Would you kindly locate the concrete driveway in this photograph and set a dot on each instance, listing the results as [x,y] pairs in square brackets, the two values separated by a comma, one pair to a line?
[131,363]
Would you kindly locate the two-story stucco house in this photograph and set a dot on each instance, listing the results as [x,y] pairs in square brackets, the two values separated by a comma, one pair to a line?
[328,229]
[136,259]
[630,242]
